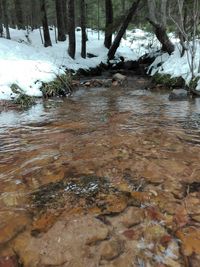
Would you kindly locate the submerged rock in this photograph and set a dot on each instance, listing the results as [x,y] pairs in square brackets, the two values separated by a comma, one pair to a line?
[178,94]
[120,78]
[111,249]
[9,261]
[68,243]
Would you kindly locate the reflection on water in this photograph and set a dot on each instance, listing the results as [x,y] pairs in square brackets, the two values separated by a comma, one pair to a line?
[15,119]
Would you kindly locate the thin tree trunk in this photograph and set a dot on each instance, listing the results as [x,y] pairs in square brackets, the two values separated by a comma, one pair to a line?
[41,35]
[116,43]
[19,14]
[123,6]
[65,15]
[123,12]
[71,25]
[34,14]
[109,22]
[83,29]
[161,34]
[158,19]
[98,18]
[1,20]
[5,16]
[47,39]
[60,20]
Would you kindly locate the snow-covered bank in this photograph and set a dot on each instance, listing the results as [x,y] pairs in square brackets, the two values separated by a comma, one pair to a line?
[177,66]
[25,62]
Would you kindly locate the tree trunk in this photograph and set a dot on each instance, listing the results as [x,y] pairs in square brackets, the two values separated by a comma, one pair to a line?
[65,15]
[47,39]
[71,25]
[19,14]
[60,20]
[123,6]
[109,22]
[83,29]
[116,43]
[158,19]
[1,20]
[34,11]
[161,34]
[5,16]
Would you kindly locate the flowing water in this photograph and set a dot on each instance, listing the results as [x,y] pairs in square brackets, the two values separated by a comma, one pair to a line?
[74,152]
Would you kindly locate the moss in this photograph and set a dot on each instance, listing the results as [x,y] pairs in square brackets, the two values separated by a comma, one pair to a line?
[53,195]
[168,81]
[61,86]
[193,83]
[25,101]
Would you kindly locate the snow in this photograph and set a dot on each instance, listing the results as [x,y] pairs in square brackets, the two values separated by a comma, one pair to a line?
[177,66]
[25,62]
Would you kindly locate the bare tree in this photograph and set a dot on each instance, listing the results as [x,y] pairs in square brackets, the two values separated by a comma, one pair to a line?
[123,3]
[71,25]
[158,19]
[123,27]
[109,22]
[34,14]
[188,31]
[83,28]
[1,19]
[5,18]
[19,14]
[47,39]
[64,4]
[60,21]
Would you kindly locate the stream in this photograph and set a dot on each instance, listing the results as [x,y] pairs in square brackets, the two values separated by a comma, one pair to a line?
[106,177]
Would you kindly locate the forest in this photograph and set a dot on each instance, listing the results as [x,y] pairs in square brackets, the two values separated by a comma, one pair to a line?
[99,133]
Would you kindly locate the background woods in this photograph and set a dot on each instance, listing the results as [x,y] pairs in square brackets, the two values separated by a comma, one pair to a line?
[113,17]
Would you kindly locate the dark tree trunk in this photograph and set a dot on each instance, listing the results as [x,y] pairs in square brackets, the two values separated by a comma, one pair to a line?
[65,15]
[5,16]
[161,34]
[60,20]
[181,34]
[71,25]
[19,14]
[34,11]
[47,39]
[1,20]
[109,22]
[83,29]
[123,6]
[116,43]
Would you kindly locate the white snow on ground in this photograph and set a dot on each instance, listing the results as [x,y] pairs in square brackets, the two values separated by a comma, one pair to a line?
[178,66]
[141,42]
[25,62]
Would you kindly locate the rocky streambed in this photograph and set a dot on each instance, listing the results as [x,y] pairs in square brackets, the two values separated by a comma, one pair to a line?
[107,177]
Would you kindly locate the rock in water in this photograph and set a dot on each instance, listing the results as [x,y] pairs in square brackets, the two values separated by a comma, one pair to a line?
[118,77]
[178,94]
[107,82]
